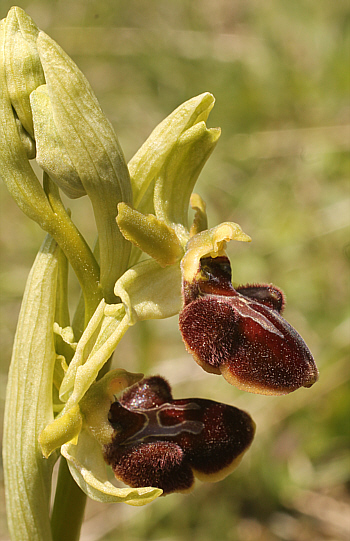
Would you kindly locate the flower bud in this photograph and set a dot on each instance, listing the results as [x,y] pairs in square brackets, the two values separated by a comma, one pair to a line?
[23,68]
[52,155]
[27,141]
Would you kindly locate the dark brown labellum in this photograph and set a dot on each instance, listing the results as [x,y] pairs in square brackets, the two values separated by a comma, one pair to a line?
[241,334]
[163,442]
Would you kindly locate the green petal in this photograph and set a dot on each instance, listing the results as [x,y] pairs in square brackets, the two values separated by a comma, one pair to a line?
[149,159]
[51,153]
[112,330]
[149,291]
[176,180]
[87,466]
[149,234]
[29,403]
[211,242]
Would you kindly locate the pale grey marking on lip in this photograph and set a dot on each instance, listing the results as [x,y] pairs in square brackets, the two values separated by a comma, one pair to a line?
[153,427]
[262,320]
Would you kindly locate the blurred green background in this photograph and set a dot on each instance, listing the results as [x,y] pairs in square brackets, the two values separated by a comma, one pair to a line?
[280,73]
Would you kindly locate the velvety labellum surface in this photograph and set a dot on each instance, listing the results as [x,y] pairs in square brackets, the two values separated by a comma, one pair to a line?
[241,334]
[163,442]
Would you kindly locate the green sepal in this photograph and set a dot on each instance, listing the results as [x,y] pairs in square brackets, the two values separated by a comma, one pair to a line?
[176,180]
[22,64]
[146,164]
[149,234]
[29,403]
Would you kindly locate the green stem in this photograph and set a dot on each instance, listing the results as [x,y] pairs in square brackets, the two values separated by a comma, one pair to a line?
[73,244]
[69,506]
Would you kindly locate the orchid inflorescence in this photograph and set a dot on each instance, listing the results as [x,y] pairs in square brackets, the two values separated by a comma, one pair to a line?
[149,263]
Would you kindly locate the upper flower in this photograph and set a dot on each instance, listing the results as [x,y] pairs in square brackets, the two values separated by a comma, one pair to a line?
[240,333]
[165,443]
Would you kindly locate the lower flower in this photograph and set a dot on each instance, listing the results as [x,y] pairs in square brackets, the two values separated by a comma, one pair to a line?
[166,443]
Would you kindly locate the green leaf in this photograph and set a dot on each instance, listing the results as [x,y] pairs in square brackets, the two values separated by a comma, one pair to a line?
[29,403]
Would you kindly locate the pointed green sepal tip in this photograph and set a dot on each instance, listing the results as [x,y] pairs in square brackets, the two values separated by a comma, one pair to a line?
[177,178]
[153,236]
[150,158]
